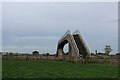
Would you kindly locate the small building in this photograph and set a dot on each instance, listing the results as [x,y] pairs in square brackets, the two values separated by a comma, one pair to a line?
[107,49]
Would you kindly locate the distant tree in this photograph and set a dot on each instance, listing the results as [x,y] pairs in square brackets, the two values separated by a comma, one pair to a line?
[100,53]
[17,54]
[92,54]
[117,53]
[7,54]
[112,55]
[35,53]
[10,54]
[47,54]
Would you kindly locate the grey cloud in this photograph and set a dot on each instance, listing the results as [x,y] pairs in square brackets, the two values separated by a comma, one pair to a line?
[94,20]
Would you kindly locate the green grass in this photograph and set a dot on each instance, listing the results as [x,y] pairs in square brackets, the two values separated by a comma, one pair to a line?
[56,69]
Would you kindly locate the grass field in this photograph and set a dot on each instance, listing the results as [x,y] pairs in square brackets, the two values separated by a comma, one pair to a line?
[56,69]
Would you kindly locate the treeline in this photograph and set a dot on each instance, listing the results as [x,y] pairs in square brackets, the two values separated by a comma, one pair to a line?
[34,53]
[105,54]
[25,56]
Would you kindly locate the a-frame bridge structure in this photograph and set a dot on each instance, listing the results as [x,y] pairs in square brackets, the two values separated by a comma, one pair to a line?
[77,46]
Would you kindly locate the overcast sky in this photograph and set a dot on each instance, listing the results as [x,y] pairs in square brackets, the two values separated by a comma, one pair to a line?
[38,26]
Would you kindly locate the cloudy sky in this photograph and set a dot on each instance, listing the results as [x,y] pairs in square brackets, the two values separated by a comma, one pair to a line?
[29,26]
